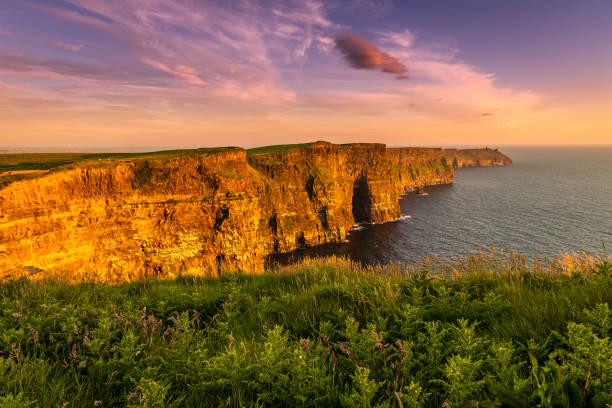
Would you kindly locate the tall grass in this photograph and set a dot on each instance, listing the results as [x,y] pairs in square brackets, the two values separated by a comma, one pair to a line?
[487,330]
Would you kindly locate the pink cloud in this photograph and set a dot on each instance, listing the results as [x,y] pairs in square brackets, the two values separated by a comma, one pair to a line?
[73,16]
[171,58]
[5,33]
[186,73]
[208,42]
[66,47]
[404,38]
[4,85]
[446,86]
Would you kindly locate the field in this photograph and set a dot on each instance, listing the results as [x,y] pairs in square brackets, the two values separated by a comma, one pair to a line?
[19,166]
[487,331]
[275,148]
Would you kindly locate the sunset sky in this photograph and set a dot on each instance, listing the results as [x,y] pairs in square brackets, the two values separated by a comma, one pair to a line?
[191,73]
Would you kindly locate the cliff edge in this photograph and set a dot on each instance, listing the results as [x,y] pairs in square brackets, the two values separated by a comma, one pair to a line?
[124,217]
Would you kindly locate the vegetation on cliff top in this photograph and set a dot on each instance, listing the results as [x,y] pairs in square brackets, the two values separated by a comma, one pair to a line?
[487,331]
[276,148]
[19,166]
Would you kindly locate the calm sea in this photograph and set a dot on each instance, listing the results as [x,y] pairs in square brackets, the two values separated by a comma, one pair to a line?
[551,200]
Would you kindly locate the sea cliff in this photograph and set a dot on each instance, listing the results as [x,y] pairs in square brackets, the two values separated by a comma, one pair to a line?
[203,212]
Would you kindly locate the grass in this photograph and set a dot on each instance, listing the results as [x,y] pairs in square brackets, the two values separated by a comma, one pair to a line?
[21,166]
[485,331]
[30,165]
[275,148]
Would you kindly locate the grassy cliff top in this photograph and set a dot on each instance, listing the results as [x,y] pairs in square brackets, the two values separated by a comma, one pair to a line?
[48,161]
[19,166]
[276,148]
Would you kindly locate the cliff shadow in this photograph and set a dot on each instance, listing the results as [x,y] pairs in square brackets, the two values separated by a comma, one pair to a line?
[362,200]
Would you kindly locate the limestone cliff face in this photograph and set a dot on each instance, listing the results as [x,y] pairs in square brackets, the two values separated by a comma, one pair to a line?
[460,158]
[418,167]
[202,214]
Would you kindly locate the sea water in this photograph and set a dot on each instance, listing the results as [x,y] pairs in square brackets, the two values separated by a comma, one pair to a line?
[552,200]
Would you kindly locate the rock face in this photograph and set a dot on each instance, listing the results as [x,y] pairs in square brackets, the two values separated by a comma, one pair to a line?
[202,214]
[460,158]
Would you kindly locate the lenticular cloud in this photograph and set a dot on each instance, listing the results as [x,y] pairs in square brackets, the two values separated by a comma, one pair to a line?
[362,54]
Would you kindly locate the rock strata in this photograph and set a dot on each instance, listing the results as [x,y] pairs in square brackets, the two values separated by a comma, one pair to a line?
[202,214]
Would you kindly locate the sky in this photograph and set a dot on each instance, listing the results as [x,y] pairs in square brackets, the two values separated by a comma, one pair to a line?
[195,73]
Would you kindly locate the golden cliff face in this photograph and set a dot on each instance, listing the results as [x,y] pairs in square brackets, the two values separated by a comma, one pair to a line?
[201,214]
[460,158]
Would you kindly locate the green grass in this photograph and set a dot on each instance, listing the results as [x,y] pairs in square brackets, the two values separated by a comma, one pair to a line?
[41,163]
[321,333]
[49,161]
[44,162]
[275,148]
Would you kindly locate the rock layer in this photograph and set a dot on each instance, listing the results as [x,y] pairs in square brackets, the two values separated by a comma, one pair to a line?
[202,214]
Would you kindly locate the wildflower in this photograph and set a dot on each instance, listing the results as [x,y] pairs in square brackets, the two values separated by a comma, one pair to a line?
[323,337]
[346,351]
[379,341]
[15,350]
[400,347]
[304,343]
[73,354]
[17,316]
[176,320]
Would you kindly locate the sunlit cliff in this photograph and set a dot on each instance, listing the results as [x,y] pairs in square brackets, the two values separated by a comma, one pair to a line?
[203,212]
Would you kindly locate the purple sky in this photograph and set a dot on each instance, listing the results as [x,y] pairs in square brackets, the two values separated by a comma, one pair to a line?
[164,73]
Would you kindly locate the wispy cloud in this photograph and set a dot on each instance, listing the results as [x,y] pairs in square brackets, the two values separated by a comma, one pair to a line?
[445,86]
[5,33]
[19,64]
[210,42]
[193,61]
[370,8]
[66,46]
[4,85]
[188,74]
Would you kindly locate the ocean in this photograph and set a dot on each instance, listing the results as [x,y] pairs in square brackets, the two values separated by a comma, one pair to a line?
[552,200]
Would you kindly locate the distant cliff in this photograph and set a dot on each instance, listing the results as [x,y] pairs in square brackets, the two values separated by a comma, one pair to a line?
[203,212]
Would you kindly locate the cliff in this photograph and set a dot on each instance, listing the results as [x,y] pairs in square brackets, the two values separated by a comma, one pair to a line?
[204,211]
[460,158]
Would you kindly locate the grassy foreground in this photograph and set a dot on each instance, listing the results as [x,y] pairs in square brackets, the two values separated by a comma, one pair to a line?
[495,332]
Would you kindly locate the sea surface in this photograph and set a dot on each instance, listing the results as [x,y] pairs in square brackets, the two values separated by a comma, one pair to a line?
[552,200]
